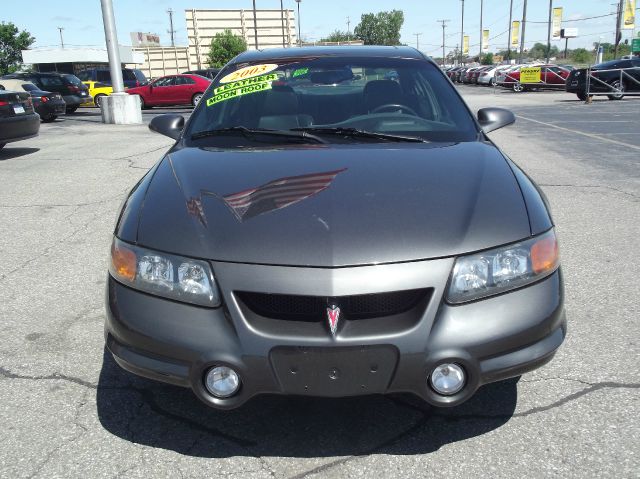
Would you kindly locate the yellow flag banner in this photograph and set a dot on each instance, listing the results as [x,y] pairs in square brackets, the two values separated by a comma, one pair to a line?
[515,34]
[557,22]
[465,45]
[485,40]
[629,22]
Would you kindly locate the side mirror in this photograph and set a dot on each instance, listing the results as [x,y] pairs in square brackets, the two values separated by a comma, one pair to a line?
[168,125]
[492,119]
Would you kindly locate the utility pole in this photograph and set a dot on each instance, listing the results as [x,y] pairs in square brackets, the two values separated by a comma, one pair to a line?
[549,30]
[299,27]
[510,31]
[348,29]
[462,33]
[61,39]
[524,28]
[282,20]
[444,26]
[255,24]
[481,32]
[171,31]
[417,40]
[618,32]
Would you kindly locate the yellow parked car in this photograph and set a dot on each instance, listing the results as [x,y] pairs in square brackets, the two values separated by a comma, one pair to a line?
[97,90]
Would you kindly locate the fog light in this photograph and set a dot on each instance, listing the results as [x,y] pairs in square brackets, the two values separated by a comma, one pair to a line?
[447,379]
[222,381]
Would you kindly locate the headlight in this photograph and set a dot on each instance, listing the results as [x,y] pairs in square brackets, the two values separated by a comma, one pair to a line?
[174,277]
[502,269]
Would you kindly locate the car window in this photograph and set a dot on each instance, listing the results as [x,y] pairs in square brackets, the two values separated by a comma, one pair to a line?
[29,87]
[51,81]
[103,76]
[165,81]
[128,75]
[384,95]
[185,81]
[84,75]
[139,76]
[74,80]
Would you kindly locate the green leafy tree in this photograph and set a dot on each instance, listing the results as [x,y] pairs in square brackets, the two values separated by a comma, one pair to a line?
[337,36]
[11,43]
[382,28]
[225,46]
[487,59]
[539,51]
[582,55]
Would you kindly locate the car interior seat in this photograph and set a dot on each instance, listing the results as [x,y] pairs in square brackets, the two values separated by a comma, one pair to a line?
[280,110]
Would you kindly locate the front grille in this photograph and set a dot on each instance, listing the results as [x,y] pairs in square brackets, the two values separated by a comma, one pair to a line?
[314,308]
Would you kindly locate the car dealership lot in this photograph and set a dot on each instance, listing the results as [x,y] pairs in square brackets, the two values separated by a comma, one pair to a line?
[68,411]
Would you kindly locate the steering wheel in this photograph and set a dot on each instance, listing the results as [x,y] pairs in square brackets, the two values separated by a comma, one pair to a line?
[394,106]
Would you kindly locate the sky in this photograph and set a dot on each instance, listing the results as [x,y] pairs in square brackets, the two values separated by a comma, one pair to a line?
[82,19]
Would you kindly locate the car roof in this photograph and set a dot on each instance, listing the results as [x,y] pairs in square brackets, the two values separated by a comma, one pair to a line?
[329,51]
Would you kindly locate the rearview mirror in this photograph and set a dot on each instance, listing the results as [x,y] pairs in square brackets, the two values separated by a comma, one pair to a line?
[492,119]
[168,125]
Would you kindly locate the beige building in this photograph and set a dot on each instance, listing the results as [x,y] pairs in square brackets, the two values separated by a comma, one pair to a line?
[275,28]
[160,61]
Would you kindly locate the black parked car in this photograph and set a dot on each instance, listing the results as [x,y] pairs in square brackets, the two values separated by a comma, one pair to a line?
[48,105]
[210,73]
[131,77]
[18,120]
[341,235]
[73,91]
[616,76]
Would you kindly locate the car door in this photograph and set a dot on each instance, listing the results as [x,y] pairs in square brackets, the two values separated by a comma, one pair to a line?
[184,89]
[634,73]
[161,91]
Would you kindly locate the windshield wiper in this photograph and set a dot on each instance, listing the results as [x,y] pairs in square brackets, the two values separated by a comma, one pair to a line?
[253,132]
[357,133]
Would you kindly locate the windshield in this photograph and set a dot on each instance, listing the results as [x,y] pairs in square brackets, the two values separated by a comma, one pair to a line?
[390,96]
[73,79]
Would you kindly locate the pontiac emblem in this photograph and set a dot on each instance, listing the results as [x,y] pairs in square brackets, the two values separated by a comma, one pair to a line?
[333,315]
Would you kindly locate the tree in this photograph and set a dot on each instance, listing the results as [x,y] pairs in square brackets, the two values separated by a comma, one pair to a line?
[581,55]
[224,47]
[382,28]
[11,45]
[539,51]
[487,59]
[337,36]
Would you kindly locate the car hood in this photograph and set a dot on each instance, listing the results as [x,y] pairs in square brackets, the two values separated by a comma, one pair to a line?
[333,206]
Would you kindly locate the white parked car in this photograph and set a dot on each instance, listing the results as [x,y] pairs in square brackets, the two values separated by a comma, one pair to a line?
[488,77]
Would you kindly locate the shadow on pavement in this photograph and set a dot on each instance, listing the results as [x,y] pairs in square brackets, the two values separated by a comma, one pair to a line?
[168,417]
[9,152]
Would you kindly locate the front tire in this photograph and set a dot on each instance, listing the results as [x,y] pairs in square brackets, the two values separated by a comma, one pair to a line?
[196,99]
[618,85]
[49,119]
[518,88]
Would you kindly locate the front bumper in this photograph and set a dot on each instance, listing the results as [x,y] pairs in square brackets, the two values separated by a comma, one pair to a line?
[492,339]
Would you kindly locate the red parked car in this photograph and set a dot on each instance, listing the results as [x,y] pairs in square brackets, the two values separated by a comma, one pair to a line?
[172,90]
[551,76]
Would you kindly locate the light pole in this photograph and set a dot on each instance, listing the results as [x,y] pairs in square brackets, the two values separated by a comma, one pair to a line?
[524,27]
[462,33]
[255,24]
[61,39]
[549,30]
[119,107]
[282,21]
[299,23]
[417,40]
[510,33]
[481,33]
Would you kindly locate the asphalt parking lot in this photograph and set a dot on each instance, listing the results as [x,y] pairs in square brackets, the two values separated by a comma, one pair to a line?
[67,410]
